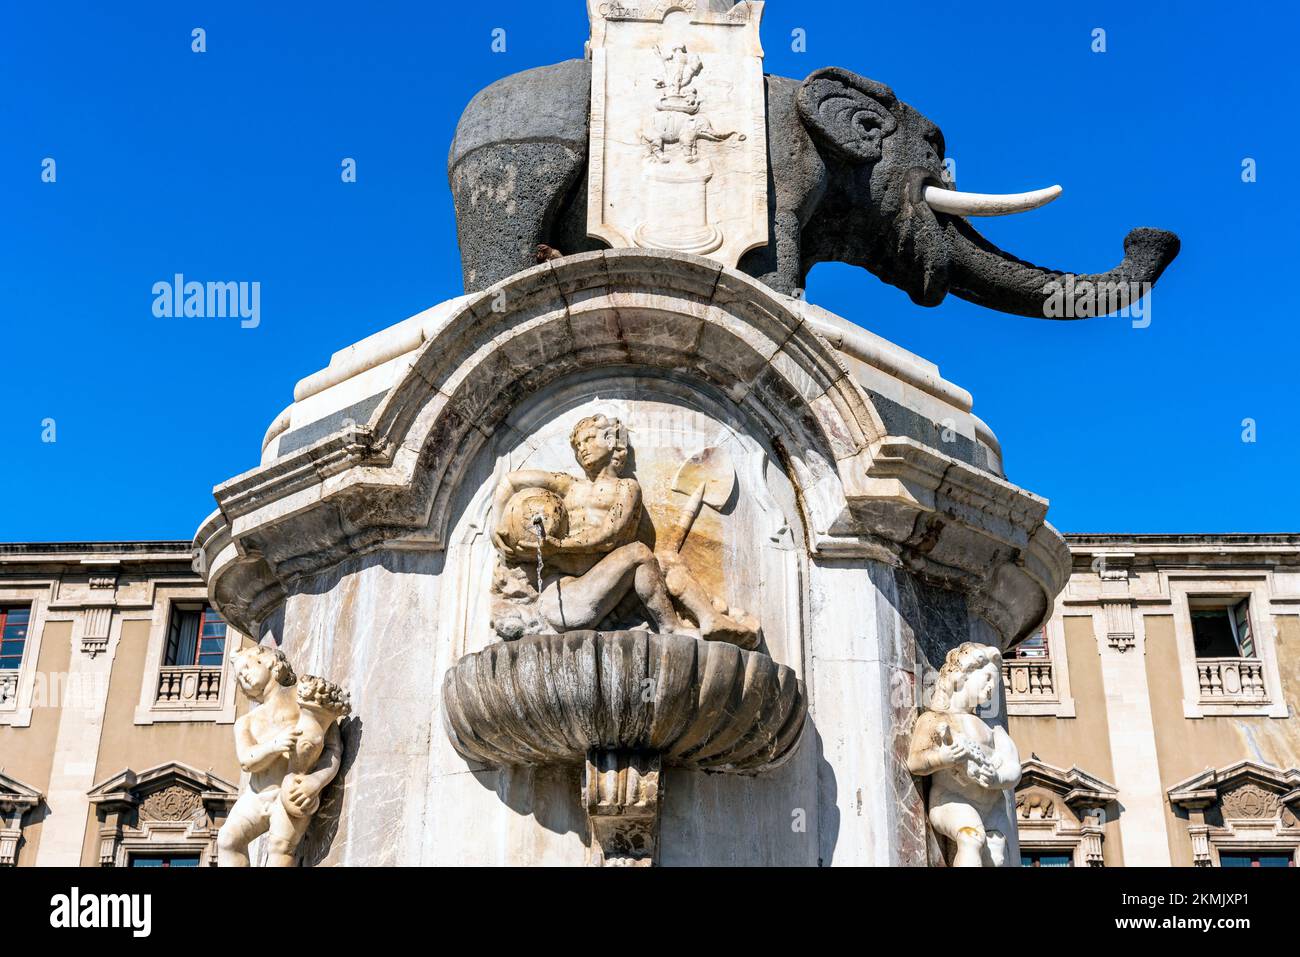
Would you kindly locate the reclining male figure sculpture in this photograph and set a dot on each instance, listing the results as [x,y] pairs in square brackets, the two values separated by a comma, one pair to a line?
[588,531]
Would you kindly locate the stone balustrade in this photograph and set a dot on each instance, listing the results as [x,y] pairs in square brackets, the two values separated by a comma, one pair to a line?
[8,686]
[1230,679]
[184,685]
[1028,679]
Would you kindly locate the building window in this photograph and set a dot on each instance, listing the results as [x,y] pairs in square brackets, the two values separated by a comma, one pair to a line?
[13,637]
[166,816]
[164,860]
[1256,860]
[187,660]
[194,658]
[1027,672]
[1222,631]
[1244,815]
[1035,646]
[1227,667]
[1061,815]
[196,636]
[1046,859]
[16,800]
[1227,645]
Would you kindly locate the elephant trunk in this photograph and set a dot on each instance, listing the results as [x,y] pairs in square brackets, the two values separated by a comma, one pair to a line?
[982,273]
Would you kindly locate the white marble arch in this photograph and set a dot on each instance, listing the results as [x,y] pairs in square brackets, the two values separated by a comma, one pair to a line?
[862,493]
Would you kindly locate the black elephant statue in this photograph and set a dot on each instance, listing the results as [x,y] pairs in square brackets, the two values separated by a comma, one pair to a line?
[856,176]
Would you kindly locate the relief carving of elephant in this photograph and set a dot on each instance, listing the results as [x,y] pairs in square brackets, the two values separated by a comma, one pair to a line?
[666,129]
[856,176]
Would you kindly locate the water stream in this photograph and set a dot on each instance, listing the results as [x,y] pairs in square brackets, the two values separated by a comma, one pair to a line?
[540,528]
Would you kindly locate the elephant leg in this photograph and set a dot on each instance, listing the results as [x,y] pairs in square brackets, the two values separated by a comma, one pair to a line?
[507,197]
[569,235]
[779,263]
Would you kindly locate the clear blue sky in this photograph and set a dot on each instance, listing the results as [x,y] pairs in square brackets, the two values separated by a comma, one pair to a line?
[225,165]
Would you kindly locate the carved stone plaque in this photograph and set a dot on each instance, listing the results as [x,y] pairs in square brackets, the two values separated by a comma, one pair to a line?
[172,803]
[678,127]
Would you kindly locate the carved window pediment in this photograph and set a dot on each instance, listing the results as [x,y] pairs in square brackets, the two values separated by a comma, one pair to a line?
[1242,791]
[1076,789]
[16,799]
[1245,806]
[169,807]
[1062,810]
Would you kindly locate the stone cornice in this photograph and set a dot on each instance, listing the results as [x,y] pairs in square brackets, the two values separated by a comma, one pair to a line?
[126,788]
[1203,789]
[1187,550]
[390,482]
[92,554]
[1192,540]
[16,794]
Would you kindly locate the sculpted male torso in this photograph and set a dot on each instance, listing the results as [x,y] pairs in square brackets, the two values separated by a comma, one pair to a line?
[598,559]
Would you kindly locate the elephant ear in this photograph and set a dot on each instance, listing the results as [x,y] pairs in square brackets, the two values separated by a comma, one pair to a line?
[849,113]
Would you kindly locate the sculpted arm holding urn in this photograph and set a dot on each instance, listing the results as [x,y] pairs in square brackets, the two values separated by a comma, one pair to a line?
[587,529]
[503,537]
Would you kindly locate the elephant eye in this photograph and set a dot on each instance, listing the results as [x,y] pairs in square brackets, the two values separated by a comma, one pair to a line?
[868,124]
[860,120]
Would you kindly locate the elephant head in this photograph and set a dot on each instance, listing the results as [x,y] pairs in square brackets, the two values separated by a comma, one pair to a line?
[886,207]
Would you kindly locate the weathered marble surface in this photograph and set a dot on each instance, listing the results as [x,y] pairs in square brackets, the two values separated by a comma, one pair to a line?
[404,796]
[678,129]
[577,552]
[551,699]
[665,316]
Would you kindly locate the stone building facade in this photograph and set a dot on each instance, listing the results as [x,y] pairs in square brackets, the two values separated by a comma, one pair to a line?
[1156,709]
[116,706]
[1154,713]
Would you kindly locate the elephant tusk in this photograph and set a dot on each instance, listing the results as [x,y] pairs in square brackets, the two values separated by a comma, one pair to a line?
[987,204]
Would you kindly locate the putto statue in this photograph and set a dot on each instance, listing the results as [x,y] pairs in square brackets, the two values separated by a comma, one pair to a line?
[290,746]
[972,767]
[571,550]
[680,67]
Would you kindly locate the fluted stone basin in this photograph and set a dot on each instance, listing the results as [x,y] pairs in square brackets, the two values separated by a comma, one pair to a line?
[551,699]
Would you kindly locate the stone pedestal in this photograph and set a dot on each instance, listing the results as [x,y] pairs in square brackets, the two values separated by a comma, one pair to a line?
[870,531]
[621,792]
[678,218]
